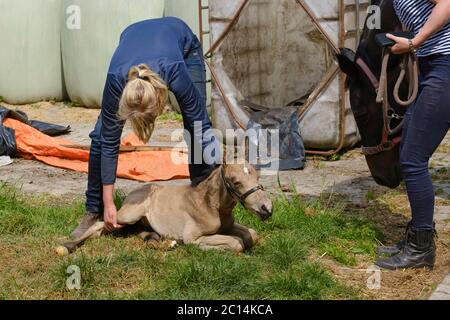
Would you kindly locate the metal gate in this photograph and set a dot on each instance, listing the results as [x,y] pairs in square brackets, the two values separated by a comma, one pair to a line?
[338,22]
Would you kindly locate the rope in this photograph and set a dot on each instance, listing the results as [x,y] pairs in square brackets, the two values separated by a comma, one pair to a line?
[410,62]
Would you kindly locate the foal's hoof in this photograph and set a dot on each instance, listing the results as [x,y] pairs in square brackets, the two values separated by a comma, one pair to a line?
[62,251]
[153,244]
[169,245]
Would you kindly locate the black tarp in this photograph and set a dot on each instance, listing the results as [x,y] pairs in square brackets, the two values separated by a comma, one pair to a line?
[291,154]
[7,135]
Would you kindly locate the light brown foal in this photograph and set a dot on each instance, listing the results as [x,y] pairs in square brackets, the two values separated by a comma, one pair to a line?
[201,215]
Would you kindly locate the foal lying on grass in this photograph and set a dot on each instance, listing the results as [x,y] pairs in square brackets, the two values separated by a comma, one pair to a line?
[201,215]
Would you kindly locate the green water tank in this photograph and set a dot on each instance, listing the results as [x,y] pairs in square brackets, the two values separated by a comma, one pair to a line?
[30,55]
[186,10]
[90,34]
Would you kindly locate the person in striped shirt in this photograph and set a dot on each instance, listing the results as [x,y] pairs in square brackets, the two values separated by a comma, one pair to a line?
[426,125]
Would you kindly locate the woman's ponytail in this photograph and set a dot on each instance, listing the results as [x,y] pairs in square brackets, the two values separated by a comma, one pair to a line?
[143,100]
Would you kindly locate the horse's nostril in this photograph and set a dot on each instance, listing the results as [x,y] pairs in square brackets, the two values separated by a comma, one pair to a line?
[266,210]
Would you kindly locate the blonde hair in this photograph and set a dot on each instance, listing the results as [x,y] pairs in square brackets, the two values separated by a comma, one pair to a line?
[143,100]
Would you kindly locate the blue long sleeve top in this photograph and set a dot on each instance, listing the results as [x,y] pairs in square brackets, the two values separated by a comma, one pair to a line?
[162,44]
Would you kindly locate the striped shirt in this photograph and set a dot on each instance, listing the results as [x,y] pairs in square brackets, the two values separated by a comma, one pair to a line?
[414,14]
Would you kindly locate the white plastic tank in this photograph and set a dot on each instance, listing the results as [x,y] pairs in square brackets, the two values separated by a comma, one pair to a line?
[30,54]
[275,55]
[89,42]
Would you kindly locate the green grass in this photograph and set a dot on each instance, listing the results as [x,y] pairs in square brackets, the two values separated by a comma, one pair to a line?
[286,264]
[170,116]
[72,104]
[335,157]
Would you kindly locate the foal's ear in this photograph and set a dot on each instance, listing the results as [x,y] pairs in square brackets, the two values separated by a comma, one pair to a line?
[347,62]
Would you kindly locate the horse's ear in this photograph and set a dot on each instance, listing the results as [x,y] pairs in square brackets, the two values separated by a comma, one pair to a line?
[347,62]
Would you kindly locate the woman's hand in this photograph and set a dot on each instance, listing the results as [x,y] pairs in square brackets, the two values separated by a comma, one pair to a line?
[110,217]
[401,44]
[110,213]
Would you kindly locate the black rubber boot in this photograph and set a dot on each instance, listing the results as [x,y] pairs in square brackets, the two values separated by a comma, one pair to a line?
[419,252]
[393,250]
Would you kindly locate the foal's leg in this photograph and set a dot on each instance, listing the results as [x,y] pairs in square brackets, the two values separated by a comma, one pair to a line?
[93,232]
[248,236]
[220,242]
[145,233]
[133,210]
[134,207]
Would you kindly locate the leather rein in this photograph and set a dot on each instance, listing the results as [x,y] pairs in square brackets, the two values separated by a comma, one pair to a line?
[410,64]
[232,191]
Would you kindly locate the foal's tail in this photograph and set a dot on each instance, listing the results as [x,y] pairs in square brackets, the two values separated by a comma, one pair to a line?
[93,232]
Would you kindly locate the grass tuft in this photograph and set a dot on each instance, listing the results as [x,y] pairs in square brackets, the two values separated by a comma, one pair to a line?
[170,116]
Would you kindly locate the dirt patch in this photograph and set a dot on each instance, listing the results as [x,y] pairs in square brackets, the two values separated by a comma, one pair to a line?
[390,213]
[395,285]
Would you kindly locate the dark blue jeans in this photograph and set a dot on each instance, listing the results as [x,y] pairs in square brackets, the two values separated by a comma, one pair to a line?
[426,125]
[196,66]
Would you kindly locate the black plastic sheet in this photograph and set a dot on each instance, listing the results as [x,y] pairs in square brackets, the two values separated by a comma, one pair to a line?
[8,145]
[291,154]
[7,141]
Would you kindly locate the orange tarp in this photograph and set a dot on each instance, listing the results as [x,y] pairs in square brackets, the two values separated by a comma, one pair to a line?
[142,166]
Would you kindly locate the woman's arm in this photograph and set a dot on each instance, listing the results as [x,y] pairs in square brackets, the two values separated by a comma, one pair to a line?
[438,18]
[110,213]
[192,103]
[111,132]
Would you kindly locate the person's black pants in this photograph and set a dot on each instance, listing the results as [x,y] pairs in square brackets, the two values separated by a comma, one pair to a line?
[426,125]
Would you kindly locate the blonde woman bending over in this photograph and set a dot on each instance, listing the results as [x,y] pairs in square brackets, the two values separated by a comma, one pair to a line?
[153,57]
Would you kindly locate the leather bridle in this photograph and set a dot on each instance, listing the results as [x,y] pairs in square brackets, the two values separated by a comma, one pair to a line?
[381,88]
[234,193]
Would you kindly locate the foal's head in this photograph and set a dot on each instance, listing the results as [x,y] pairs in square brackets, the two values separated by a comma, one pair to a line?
[242,182]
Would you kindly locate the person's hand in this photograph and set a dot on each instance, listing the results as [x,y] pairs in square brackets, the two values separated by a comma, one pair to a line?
[401,44]
[110,217]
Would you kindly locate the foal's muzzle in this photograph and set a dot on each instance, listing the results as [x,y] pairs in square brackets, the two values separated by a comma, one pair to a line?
[265,213]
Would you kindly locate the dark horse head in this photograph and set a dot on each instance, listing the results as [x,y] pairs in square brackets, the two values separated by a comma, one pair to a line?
[385,166]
